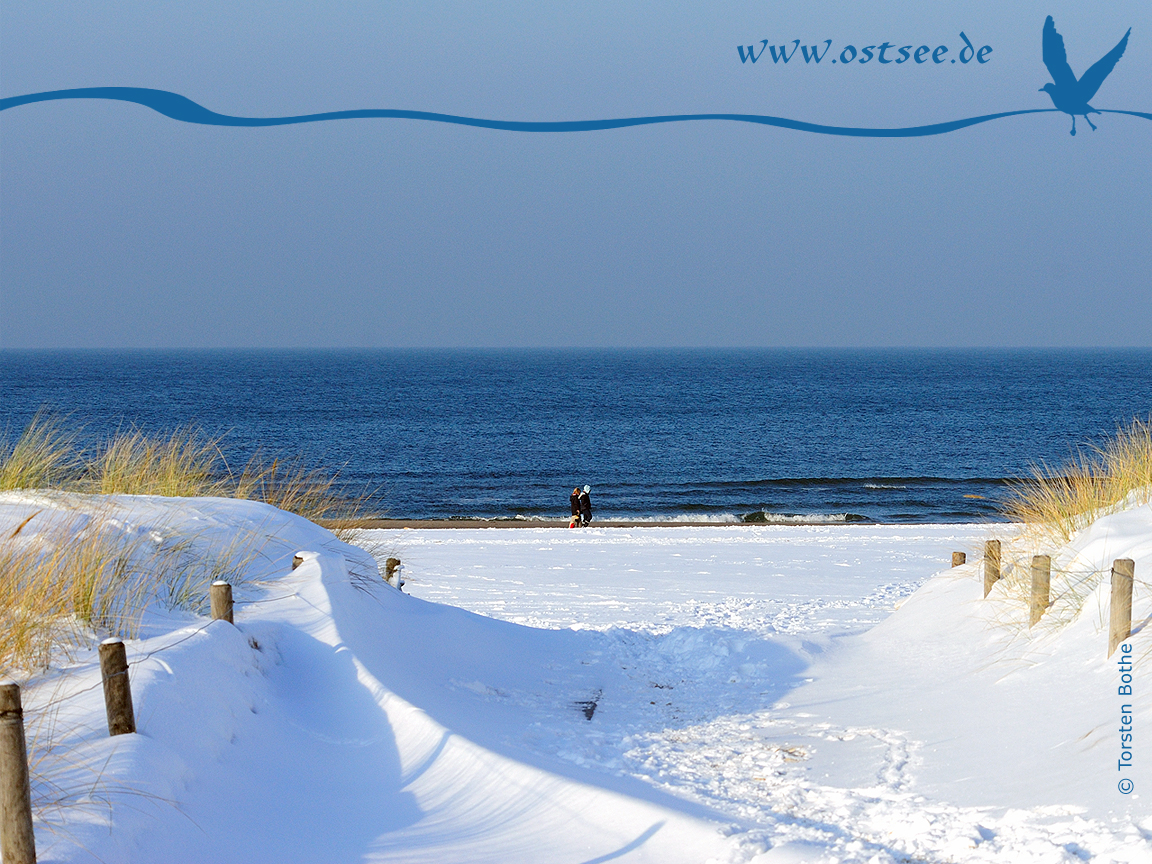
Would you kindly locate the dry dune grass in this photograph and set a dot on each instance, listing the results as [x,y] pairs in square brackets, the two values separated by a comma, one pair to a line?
[64,581]
[43,457]
[185,463]
[75,572]
[66,576]
[1056,504]
[292,486]
[1070,588]
[1052,506]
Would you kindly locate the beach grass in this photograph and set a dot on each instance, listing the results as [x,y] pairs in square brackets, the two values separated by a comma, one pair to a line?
[69,573]
[291,485]
[1055,504]
[74,571]
[45,456]
[184,463]
[68,578]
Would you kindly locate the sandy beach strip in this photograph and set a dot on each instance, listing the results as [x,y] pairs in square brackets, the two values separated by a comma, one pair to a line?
[519,523]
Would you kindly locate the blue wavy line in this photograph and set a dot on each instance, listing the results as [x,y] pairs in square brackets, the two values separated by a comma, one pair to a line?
[181,108]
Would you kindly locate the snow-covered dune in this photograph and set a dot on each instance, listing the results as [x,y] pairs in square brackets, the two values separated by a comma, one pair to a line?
[657,694]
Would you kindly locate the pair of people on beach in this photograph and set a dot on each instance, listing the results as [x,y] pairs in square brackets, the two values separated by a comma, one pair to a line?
[581,507]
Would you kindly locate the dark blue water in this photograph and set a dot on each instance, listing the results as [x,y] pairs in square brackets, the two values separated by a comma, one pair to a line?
[890,436]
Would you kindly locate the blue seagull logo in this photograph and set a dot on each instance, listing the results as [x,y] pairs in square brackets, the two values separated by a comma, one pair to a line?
[1068,94]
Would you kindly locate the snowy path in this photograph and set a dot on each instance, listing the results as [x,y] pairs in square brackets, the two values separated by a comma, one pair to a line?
[807,744]
[826,579]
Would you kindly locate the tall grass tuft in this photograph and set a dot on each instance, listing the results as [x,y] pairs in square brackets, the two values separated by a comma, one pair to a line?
[67,580]
[43,457]
[290,485]
[76,570]
[1056,504]
[185,464]
[83,575]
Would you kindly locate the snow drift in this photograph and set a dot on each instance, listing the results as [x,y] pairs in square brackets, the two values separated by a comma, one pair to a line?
[755,711]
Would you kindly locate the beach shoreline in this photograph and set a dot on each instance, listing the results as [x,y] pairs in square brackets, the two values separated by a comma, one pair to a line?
[382,523]
[526,523]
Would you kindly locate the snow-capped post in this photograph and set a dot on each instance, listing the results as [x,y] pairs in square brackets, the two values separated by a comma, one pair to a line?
[17,839]
[1041,583]
[991,564]
[221,594]
[958,558]
[1120,616]
[392,573]
[117,691]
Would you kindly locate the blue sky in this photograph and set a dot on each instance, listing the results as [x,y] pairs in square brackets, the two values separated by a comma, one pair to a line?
[123,228]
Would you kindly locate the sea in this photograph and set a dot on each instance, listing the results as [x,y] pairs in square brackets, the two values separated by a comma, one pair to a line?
[885,436]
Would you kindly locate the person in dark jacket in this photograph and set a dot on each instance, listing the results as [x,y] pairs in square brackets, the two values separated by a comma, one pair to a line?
[585,506]
[575,499]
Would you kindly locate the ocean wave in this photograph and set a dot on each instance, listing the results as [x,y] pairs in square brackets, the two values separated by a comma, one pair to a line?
[758,517]
[762,517]
[883,486]
[702,518]
[519,517]
[845,482]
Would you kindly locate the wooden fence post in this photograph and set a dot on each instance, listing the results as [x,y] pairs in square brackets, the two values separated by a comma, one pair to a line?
[1120,617]
[1041,585]
[117,691]
[958,558]
[297,560]
[221,594]
[991,565]
[17,839]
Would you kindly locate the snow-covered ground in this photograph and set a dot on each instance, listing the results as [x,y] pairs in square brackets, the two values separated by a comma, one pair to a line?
[713,693]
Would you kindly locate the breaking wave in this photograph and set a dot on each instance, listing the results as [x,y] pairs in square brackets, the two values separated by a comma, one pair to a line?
[763,518]
[759,517]
[701,518]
